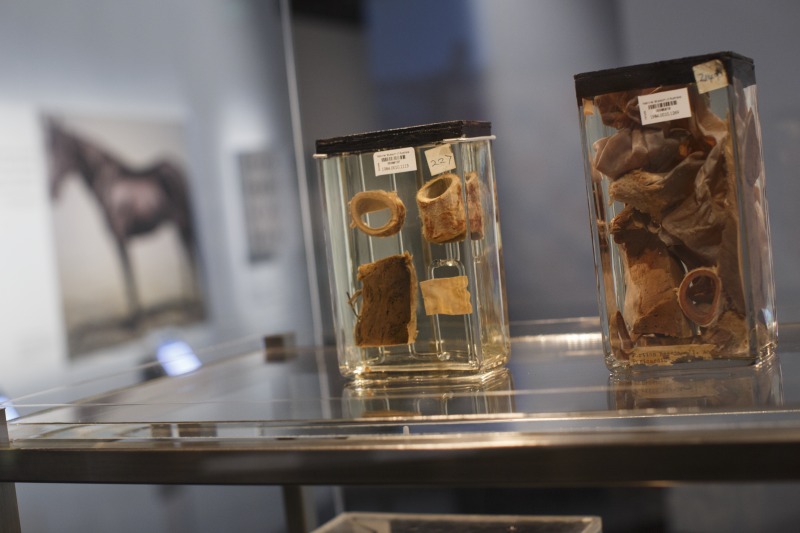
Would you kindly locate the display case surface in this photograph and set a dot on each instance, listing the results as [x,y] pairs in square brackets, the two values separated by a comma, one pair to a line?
[439,523]
[554,417]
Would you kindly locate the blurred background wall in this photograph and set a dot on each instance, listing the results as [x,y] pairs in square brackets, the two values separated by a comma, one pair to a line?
[218,70]
[218,67]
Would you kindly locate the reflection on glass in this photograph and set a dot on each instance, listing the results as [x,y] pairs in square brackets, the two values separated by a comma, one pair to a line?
[489,394]
[182,430]
[735,387]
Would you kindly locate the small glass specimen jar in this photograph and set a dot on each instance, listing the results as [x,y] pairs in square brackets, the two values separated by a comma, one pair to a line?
[414,251]
[678,211]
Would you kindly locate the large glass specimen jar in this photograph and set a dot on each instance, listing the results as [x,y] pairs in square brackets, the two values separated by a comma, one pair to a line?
[414,251]
[678,211]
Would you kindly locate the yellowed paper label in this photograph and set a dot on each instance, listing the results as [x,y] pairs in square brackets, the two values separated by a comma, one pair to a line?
[710,76]
[666,355]
[440,159]
[446,296]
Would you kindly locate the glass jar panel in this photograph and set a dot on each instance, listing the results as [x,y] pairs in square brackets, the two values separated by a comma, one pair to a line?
[414,251]
[678,210]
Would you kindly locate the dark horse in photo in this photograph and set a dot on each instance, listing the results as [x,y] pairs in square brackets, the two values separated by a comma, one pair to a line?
[134,201]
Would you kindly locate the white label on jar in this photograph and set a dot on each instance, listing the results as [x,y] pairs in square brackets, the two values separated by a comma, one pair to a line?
[394,161]
[440,159]
[663,106]
[710,75]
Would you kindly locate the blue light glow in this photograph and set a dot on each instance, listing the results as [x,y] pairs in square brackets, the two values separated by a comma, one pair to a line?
[11,413]
[177,358]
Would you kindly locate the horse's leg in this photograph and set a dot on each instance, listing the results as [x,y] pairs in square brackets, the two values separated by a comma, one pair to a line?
[173,183]
[190,249]
[130,284]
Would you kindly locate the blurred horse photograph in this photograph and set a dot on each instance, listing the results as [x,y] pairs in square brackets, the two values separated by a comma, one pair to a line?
[135,201]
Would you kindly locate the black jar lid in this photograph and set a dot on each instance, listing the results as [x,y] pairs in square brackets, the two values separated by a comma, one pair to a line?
[404,137]
[671,72]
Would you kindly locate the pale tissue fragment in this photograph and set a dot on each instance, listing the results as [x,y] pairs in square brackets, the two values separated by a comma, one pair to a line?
[474,206]
[446,296]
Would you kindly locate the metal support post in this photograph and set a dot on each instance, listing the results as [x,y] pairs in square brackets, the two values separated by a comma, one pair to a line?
[300,508]
[9,511]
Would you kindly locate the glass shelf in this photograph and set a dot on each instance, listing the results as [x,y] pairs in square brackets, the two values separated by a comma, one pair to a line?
[554,416]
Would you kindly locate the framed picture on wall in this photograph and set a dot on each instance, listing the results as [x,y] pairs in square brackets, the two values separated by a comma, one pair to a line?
[125,239]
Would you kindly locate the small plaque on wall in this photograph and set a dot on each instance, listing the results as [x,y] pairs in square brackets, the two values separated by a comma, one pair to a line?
[261,203]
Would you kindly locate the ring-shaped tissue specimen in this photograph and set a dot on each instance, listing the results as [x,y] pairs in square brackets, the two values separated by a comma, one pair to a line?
[700,296]
[441,209]
[367,202]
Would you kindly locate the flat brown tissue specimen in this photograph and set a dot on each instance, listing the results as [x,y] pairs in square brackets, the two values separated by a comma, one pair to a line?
[704,229]
[620,153]
[654,193]
[389,302]
[621,109]
[651,276]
